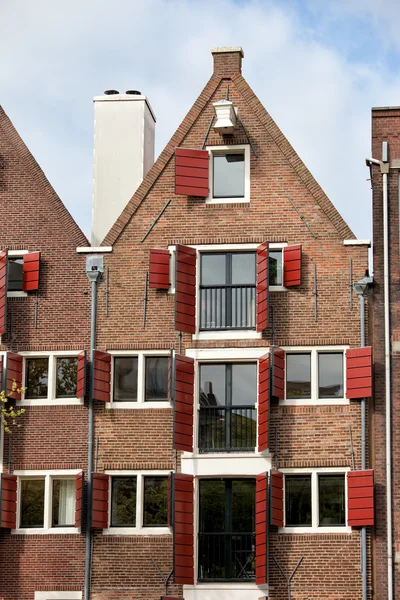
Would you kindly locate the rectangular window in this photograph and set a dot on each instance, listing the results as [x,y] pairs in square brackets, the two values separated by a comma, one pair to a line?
[125,378]
[15,272]
[226,529]
[227,418]
[275,267]
[227,291]
[63,505]
[155,502]
[50,378]
[156,378]
[47,502]
[66,377]
[123,502]
[331,500]
[316,375]
[228,175]
[315,500]
[298,500]
[37,378]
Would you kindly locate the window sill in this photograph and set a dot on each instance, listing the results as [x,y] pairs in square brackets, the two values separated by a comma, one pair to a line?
[315,530]
[142,531]
[237,334]
[51,402]
[138,405]
[277,288]
[50,531]
[17,295]
[327,402]
[242,200]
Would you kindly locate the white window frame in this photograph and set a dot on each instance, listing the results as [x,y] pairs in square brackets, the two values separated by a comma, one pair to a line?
[141,386]
[139,529]
[315,528]
[58,596]
[224,464]
[51,399]
[17,254]
[48,477]
[237,149]
[315,400]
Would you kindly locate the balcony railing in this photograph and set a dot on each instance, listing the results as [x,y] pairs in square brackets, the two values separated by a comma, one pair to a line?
[227,307]
[226,556]
[227,428]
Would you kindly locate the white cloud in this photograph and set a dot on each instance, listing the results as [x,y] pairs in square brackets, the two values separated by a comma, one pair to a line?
[56,57]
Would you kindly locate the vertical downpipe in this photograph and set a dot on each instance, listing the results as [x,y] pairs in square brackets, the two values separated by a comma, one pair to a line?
[363,456]
[94,277]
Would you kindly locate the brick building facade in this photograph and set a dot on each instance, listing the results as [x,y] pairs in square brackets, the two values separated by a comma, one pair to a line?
[386,151]
[225,402]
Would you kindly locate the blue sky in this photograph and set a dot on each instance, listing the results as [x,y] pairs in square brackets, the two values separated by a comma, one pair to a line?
[318,67]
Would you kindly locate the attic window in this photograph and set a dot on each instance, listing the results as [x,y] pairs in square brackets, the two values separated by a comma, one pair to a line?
[15,271]
[229,174]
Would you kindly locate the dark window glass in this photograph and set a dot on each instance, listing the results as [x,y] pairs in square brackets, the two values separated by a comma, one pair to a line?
[32,503]
[123,502]
[125,378]
[37,376]
[275,267]
[298,500]
[298,376]
[330,375]
[63,509]
[331,500]
[228,175]
[14,275]
[228,291]
[156,378]
[155,501]
[67,372]
[226,529]
[228,393]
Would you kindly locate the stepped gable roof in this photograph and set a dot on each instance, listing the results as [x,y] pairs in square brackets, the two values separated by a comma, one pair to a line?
[343,230]
[11,138]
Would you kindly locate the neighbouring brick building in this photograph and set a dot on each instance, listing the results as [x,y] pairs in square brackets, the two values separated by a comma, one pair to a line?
[45,324]
[226,378]
[386,423]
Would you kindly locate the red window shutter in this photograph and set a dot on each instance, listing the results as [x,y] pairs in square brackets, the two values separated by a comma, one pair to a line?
[262,529]
[360,498]
[3,290]
[263,402]
[102,376]
[185,289]
[276,492]
[183,529]
[13,371]
[191,172]
[100,490]
[79,499]
[159,269]
[81,375]
[278,373]
[359,373]
[8,501]
[30,272]
[262,284]
[184,403]
[291,266]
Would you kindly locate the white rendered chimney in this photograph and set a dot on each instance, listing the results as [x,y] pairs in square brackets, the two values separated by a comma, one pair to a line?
[123,153]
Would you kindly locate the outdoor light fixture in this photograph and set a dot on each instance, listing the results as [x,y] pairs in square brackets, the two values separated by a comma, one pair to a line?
[226,117]
[361,287]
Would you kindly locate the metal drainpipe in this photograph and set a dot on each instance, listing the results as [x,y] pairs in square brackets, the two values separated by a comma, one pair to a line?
[363,455]
[384,171]
[94,276]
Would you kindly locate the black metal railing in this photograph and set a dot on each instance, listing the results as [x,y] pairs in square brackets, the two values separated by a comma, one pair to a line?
[226,556]
[227,428]
[227,307]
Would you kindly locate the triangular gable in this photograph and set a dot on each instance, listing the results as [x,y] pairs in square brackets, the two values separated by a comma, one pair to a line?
[38,178]
[271,129]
